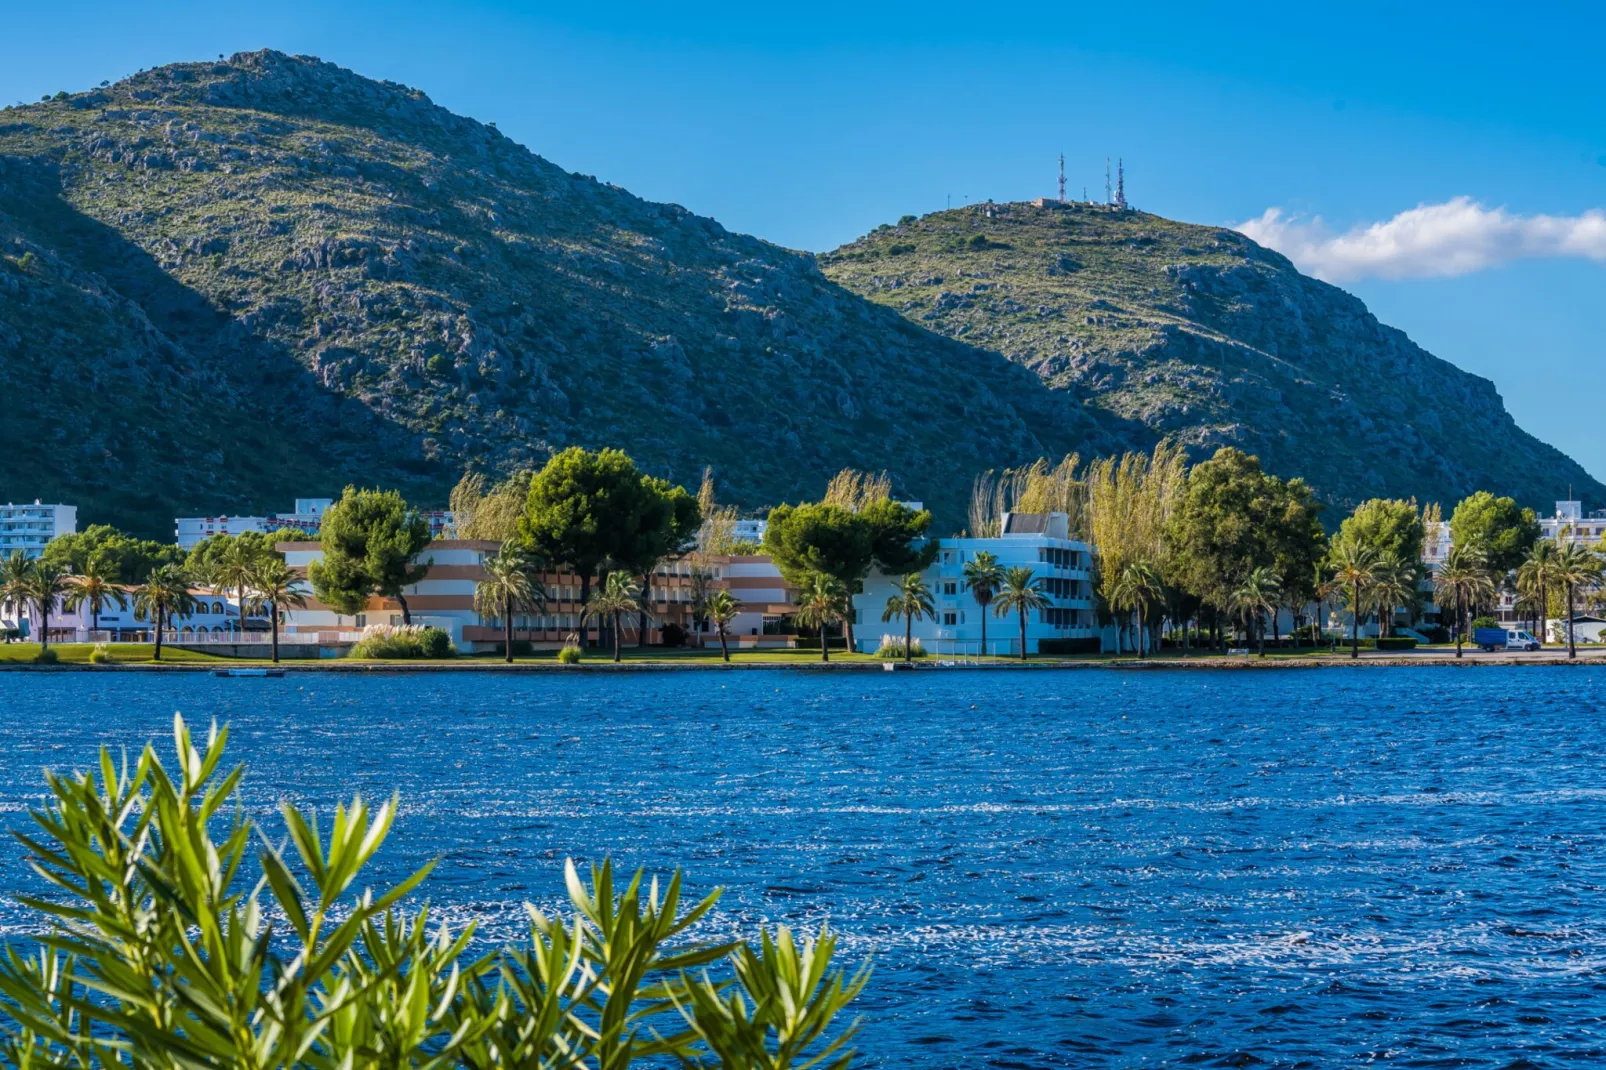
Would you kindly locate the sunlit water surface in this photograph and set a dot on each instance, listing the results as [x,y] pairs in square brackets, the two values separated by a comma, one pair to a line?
[1089,869]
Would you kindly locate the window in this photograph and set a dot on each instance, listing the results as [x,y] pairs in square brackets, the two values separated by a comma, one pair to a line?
[217,607]
[395,619]
[362,620]
[950,587]
[950,618]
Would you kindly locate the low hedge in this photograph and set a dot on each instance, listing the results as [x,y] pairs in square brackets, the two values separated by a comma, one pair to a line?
[1069,646]
[1392,642]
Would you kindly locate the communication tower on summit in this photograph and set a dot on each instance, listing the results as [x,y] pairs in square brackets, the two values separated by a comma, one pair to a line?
[1120,184]
[1062,177]
[1109,198]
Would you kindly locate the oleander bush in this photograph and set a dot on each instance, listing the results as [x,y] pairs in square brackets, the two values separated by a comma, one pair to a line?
[393,641]
[163,946]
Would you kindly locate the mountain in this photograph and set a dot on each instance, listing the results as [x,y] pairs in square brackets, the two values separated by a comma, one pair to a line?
[224,285]
[1199,333]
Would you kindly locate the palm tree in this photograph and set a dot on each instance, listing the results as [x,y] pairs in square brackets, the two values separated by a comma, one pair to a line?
[701,594]
[275,585]
[1576,566]
[46,584]
[1135,588]
[1353,566]
[1018,594]
[912,601]
[1465,577]
[1325,587]
[721,608]
[1394,584]
[511,583]
[1260,592]
[94,589]
[232,572]
[15,571]
[618,595]
[1536,576]
[983,575]
[819,602]
[164,594]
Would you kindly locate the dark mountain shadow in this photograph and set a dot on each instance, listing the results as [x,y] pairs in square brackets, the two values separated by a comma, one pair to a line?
[261,430]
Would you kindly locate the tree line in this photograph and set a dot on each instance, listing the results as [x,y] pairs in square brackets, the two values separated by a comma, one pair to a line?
[1202,554]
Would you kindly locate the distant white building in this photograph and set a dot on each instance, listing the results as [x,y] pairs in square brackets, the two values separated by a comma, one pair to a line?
[307,518]
[749,530]
[29,527]
[1039,541]
[1571,522]
[214,614]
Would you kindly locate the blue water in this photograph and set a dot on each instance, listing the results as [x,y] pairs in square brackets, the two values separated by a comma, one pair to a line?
[1089,869]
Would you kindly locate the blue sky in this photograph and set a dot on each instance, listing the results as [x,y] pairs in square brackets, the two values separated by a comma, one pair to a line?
[809,124]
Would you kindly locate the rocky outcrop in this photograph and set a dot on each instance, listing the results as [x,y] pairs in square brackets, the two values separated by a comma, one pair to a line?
[1199,333]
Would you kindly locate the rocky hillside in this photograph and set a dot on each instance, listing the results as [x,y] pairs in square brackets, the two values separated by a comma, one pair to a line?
[1168,328]
[228,283]
[224,285]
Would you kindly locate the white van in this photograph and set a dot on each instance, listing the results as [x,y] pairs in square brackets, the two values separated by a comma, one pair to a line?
[1517,639]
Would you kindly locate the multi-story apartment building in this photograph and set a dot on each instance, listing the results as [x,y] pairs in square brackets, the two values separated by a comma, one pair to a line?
[29,527]
[1571,523]
[307,517]
[1040,541]
[445,599]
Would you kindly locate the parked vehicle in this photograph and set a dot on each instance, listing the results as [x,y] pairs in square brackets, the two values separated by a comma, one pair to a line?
[1492,639]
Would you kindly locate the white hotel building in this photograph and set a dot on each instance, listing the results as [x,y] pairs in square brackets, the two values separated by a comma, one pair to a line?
[307,518]
[1039,541]
[1571,521]
[29,527]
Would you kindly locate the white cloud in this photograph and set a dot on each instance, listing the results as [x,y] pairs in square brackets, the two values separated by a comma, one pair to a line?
[1432,240]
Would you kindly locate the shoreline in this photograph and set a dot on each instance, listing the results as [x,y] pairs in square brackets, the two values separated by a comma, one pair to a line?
[1212,664]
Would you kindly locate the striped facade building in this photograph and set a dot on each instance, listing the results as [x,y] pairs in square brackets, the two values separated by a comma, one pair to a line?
[444,598]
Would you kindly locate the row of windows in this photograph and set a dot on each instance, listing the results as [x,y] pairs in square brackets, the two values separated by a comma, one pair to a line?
[1054,618]
[1056,587]
[1058,558]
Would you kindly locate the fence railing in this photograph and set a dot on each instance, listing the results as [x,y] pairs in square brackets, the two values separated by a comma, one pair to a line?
[183,638]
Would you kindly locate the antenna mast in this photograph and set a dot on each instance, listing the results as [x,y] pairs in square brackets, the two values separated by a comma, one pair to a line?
[1120,183]
[1108,198]
[1062,177]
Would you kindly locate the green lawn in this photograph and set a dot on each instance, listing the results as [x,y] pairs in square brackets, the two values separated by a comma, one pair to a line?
[122,653]
[141,654]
